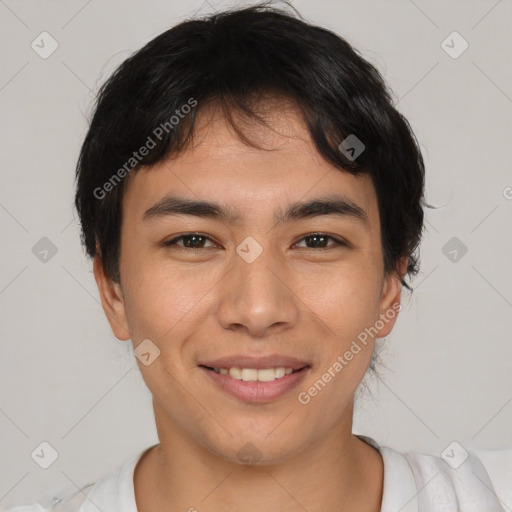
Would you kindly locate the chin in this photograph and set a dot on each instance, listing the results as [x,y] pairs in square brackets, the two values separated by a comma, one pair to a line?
[252,449]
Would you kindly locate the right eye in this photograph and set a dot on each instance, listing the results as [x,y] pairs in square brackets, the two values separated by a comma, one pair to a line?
[190,241]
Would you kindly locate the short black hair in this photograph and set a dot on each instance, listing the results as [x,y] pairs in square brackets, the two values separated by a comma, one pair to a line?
[234,58]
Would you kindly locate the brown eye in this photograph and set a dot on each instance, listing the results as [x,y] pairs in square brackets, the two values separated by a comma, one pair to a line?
[190,241]
[320,241]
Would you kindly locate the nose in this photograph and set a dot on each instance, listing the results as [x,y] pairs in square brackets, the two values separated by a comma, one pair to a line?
[258,297]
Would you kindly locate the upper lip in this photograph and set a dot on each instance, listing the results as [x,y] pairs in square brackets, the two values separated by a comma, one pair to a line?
[259,363]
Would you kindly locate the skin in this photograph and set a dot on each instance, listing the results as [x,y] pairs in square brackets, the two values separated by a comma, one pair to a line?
[294,299]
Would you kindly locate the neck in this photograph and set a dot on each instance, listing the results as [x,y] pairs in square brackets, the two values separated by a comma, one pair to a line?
[340,472]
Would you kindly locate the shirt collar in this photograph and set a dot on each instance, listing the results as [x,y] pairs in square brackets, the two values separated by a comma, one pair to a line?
[399,488]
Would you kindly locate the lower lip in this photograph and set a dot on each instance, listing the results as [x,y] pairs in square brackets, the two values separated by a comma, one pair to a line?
[256,391]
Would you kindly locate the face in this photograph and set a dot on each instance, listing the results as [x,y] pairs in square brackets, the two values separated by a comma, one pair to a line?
[266,285]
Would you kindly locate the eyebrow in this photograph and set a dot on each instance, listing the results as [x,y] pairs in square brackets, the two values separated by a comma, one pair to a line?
[322,206]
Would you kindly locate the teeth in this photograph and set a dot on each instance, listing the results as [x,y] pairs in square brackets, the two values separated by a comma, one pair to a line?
[252,374]
[235,373]
[281,372]
[249,374]
[266,375]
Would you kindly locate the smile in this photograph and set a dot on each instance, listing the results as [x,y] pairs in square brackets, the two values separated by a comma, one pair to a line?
[253,374]
[256,385]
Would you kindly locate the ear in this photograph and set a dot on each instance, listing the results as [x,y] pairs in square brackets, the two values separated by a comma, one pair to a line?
[112,300]
[390,298]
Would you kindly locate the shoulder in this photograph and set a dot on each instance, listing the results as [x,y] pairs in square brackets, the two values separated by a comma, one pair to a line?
[114,492]
[459,479]
[471,479]
[68,499]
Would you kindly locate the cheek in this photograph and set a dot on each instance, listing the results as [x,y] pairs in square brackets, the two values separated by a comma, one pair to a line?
[345,299]
[164,301]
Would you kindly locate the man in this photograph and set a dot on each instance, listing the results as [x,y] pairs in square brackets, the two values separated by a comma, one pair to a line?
[253,204]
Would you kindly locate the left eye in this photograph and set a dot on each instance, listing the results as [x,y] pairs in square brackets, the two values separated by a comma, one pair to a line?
[197,241]
[319,240]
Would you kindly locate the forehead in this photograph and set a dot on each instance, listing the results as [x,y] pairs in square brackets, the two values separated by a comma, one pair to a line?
[219,166]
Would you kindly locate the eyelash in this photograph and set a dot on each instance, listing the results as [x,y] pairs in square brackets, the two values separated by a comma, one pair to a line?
[337,241]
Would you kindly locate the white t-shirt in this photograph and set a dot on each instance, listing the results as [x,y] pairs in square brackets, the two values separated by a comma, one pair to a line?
[413,482]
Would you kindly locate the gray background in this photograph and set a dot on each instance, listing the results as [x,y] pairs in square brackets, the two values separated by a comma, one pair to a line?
[66,380]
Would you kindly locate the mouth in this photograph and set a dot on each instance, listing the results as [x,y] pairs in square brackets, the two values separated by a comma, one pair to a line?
[256,385]
[254,374]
